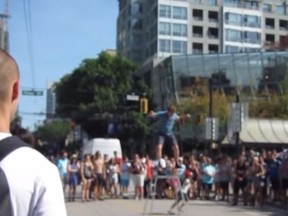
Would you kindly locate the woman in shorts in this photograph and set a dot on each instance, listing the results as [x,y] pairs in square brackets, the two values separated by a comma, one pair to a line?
[86,176]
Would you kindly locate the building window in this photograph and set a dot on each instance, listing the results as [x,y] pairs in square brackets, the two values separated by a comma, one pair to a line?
[249,49]
[137,39]
[213,48]
[180,13]
[153,32]
[232,49]
[252,21]
[164,28]
[197,14]
[250,5]
[213,33]
[212,2]
[267,8]
[197,48]
[213,16]
[197,31]
[269,23]
[196,1]
[180,30]
[233,35]
[232,3]
[165,45]
[270,38]
[136,24]
[179,46]
[136,8]
[165,11]
[252,37]
[281,9]
[283,25]
[233,19]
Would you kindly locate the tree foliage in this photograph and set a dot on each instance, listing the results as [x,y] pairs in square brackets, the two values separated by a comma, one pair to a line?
[53,132]
[97,87]
[198,105]
[275,107]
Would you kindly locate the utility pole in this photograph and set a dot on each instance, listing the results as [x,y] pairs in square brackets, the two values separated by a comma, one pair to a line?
[211,110]
[237,133]
[4,16]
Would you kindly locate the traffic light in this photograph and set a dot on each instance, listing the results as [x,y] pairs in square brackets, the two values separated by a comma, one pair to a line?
[144,105]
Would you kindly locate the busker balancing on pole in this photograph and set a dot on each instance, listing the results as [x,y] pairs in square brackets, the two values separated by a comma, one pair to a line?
[165,123]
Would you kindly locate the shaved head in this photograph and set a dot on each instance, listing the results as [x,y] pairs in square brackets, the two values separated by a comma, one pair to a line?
[9,73]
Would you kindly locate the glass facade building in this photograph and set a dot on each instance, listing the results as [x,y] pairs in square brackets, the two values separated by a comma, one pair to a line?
[255,75]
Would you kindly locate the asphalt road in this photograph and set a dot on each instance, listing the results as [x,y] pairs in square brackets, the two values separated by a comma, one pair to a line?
[131,207]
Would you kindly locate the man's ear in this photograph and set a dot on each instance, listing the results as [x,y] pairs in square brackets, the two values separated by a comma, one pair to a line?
[15,90]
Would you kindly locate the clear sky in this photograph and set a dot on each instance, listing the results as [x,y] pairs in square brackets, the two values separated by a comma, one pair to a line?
[64,32]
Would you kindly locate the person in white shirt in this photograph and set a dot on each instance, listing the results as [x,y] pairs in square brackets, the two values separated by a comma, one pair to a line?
[30,183]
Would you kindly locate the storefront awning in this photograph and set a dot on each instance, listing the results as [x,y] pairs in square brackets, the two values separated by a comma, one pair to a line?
[261,131]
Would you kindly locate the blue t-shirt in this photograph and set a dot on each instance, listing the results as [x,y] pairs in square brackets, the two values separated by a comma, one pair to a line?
[209,171]
[181,171]
[166,123]
[62,166]
[274,169]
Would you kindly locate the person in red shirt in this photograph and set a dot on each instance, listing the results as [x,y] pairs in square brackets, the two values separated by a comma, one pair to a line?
[149,176]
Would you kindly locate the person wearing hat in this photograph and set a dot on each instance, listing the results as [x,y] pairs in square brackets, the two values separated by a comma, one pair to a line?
[182,194]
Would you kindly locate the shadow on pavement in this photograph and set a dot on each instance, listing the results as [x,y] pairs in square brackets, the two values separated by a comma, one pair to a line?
[272,211]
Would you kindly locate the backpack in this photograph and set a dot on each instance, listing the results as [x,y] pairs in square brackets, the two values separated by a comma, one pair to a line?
[7,146]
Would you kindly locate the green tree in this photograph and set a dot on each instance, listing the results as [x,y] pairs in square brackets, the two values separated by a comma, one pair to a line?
[97,87]
[199,105]
[53,132]
[275,107]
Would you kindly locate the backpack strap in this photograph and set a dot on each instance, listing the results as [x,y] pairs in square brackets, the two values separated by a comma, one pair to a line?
[10,144]
[7,146]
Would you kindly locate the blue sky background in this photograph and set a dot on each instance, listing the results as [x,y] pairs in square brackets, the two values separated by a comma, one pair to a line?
[64,32]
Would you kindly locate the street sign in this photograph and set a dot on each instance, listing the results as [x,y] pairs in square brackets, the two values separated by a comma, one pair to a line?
[32,93]
[212,128]
[132,97]
[237,117]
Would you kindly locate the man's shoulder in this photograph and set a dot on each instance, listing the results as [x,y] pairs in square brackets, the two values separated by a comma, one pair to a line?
[28,158]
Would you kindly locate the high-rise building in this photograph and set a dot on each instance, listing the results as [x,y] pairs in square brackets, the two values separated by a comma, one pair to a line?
[51,101]
[4,43]
[151,29]
[4,33]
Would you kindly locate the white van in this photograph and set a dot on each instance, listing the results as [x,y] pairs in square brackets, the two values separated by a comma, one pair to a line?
[104,145]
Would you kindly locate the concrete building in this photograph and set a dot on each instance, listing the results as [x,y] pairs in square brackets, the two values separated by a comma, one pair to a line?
[4,42]
[155,29]
[50,101]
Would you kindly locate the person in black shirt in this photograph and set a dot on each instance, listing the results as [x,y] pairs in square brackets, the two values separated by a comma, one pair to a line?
[240,179]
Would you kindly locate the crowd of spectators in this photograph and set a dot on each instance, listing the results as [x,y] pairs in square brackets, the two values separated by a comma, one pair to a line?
[260,177]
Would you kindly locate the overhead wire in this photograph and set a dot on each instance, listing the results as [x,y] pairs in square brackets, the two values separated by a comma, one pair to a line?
[28,25]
